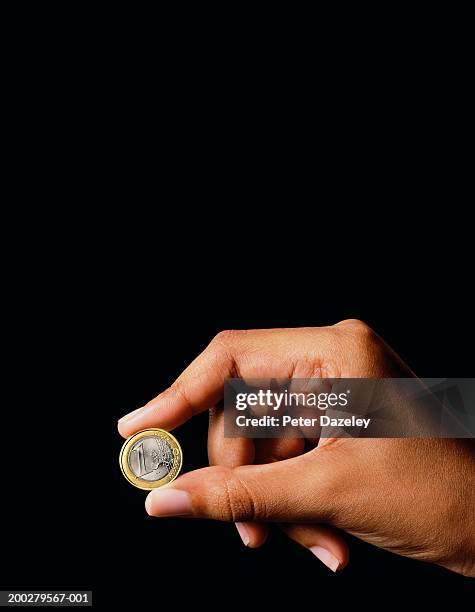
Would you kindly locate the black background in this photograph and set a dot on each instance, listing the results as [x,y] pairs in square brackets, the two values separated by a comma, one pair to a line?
[159,198]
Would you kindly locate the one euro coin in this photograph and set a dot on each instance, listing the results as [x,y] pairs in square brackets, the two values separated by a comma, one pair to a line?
[151,458]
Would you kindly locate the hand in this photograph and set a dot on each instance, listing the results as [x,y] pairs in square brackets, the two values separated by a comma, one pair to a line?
[414,497]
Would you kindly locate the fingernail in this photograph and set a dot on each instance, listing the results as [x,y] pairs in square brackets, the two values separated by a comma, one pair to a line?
[128,416]
[168,502]
[326,557]
[243,532]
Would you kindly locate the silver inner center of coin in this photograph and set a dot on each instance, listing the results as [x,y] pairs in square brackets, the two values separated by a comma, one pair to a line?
[151,458]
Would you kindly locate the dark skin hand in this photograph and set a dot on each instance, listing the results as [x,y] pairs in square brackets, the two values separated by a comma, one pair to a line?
[415,497]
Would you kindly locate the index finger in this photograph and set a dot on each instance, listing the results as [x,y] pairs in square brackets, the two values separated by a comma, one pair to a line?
[198,388]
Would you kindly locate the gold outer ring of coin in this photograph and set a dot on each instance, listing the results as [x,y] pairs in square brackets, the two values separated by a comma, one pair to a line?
[153,484]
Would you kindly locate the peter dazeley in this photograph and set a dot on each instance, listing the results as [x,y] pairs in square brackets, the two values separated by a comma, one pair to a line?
[322,420]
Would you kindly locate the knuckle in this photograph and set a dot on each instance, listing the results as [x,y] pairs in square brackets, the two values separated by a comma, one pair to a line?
[179,390]
[231,497]
[359,330]
[226,336]
[331,485]
[354,324]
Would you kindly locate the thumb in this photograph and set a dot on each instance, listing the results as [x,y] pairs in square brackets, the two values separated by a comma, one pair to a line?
[295,490]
